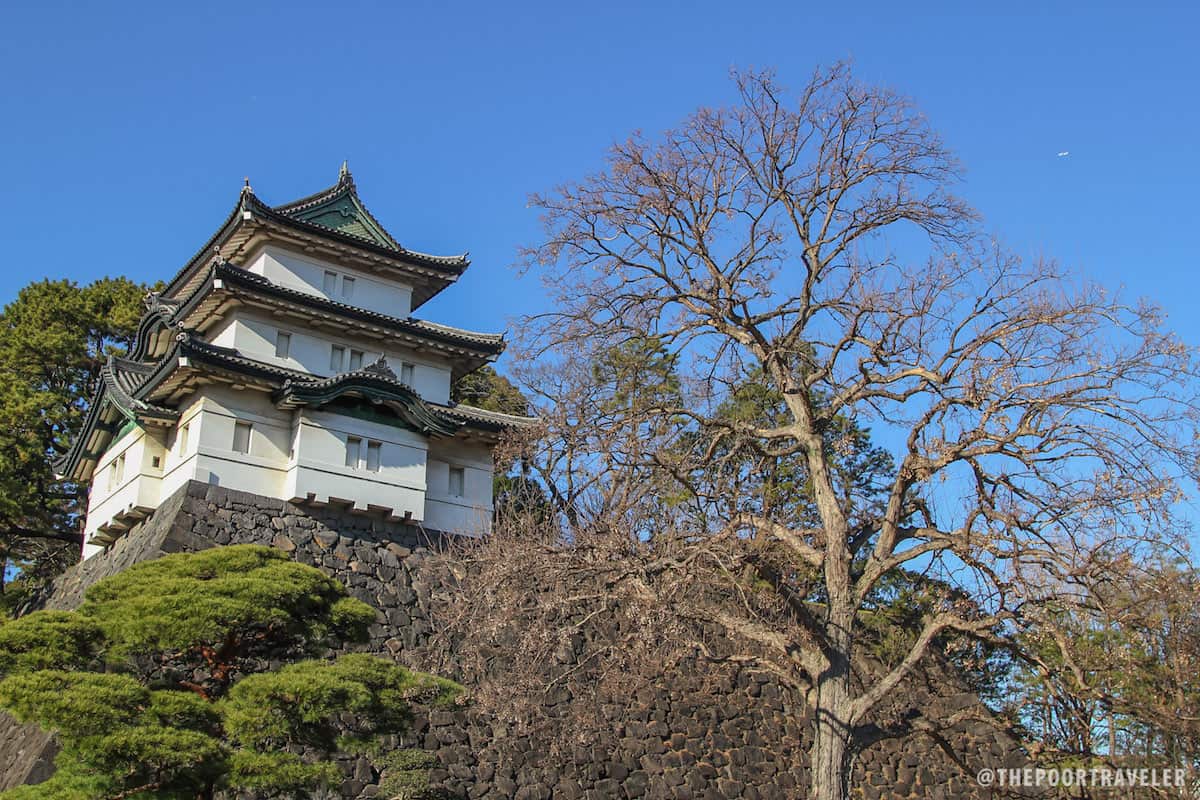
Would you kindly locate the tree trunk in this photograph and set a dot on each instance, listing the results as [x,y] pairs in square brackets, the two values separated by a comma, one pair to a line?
[829,760]
[832,740]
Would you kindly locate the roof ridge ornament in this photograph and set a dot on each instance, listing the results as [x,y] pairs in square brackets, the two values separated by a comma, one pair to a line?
[344,176]
[246,189]
[380,367]
[155,302]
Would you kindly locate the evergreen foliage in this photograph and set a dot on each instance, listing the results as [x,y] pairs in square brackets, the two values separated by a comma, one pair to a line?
[514,492]
[160,685]
[54,339]
[1118,676]
[487,389]
[767,483]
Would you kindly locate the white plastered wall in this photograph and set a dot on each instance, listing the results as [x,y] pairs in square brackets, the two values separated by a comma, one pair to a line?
[296,455]
[307,274]
[136,487]
[319,472]
[253,334]
[179,460]
[261,470]
[472,512]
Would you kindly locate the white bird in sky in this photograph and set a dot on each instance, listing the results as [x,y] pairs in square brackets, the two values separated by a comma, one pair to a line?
[1064,153]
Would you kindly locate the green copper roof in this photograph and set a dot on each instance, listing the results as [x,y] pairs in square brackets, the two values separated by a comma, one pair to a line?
[335,214]
[339,209]
[375,383]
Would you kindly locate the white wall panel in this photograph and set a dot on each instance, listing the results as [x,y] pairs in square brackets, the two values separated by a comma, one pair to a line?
[307,274]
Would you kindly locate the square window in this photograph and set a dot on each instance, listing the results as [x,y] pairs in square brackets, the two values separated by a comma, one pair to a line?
[241,437]
[155,462]
[458,481]
[374,451]
[406,374]
[283,344]
[112,475]
[356,359]
[120,463]
[183,438]
[330,283]
[347,287]
[337,357]
[353,451]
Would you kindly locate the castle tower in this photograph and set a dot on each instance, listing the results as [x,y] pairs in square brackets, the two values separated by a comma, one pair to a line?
[284,360]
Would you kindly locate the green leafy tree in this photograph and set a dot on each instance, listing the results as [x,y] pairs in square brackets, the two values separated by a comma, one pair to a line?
[892,618]
[1117,674]
[598,406]
[487,389]
[513,488]
[639,374]
[54,339]
[160,685]
[745,477]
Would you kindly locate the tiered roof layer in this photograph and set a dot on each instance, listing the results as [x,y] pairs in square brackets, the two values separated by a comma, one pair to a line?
[170,356]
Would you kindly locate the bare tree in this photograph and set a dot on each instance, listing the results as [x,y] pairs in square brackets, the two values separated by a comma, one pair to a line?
[1041,429]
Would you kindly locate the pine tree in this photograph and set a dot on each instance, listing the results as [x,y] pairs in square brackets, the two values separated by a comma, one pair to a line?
[54,339]
[161,685]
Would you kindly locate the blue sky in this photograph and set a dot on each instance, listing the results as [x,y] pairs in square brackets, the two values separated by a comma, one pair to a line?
[128,127]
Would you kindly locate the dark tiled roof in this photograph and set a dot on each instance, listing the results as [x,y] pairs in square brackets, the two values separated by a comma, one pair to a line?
[479,348]
[122,378]
[113,400]
[127,385]
[357,228]
[487,343]
[191,347]
[339,208]
[453,264]
[126,373]
[302,383]
[159,314]
[492,420]
[377,383]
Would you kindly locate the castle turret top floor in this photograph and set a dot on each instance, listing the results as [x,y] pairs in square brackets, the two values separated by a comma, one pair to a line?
[284,359]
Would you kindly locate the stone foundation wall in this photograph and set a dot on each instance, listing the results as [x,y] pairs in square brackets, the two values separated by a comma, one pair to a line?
[678,737]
